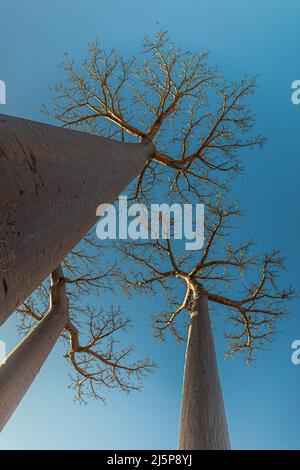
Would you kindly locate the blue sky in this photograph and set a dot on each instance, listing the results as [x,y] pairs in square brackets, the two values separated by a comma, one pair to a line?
[254,37]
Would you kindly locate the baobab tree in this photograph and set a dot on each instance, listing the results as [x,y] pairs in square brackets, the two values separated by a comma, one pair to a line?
[24,362]
[192,283]
[90,334]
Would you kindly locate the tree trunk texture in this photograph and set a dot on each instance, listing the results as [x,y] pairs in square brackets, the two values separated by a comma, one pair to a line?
[24,363]
[203,424]
[51,182]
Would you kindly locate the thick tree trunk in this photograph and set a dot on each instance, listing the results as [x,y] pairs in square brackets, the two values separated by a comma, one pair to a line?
[203,423]
[24,362]
[51,182]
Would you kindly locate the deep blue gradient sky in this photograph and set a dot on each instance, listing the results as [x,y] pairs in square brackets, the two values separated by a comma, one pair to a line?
[249,36]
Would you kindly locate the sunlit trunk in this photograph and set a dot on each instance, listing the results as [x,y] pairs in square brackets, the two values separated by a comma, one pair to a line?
[25,361]
[51,182]
[203,424]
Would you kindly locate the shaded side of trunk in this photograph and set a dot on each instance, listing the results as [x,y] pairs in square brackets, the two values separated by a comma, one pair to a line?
[25,361]
[51,183]
[203,424]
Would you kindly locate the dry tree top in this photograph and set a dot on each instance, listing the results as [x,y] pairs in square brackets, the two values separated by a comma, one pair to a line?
[92,335]
[242,284]
[198,122]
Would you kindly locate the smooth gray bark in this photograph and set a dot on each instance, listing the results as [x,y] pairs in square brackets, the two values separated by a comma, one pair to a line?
[51,182]
[25,361]
[203,424]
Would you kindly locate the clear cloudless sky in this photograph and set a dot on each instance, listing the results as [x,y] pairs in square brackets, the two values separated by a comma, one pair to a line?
[250,36]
